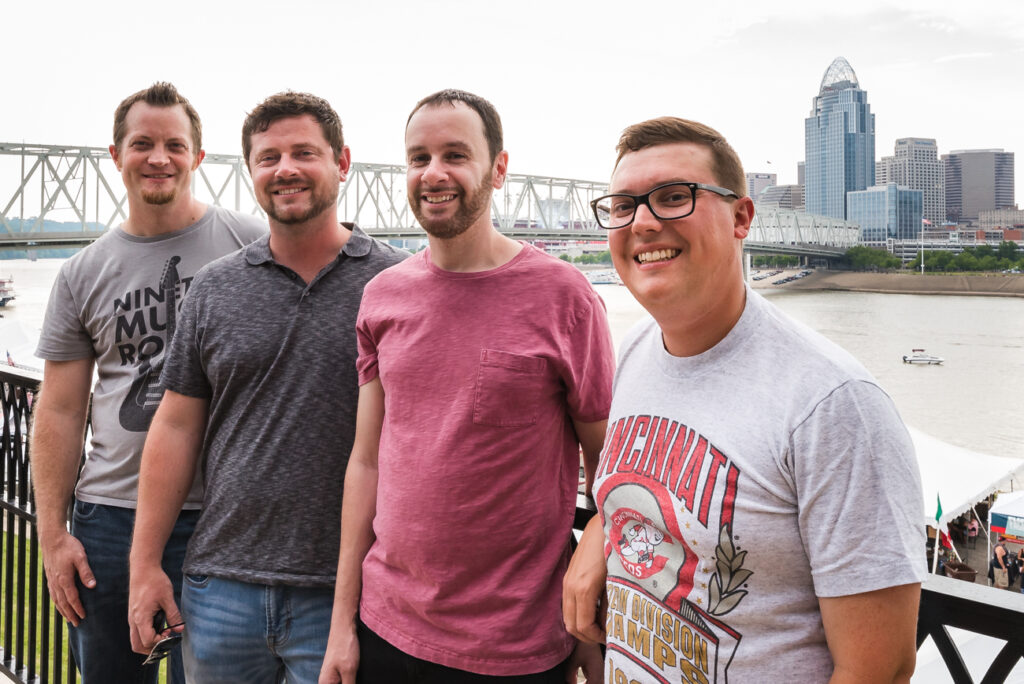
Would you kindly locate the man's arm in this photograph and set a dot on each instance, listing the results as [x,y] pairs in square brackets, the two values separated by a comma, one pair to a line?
[872,636]
[58,432]
[358,508]
[583,584]
[591,437]
[165,477]
[583,588]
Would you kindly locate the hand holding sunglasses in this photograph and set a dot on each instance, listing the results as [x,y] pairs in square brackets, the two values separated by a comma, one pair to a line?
[163,648]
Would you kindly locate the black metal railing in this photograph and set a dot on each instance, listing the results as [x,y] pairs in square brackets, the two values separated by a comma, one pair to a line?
[34,641]
[33,636]
[947,602]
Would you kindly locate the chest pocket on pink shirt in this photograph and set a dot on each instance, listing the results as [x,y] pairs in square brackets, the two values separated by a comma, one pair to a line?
[508,389]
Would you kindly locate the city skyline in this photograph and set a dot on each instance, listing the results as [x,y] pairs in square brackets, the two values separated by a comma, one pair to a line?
[564,78]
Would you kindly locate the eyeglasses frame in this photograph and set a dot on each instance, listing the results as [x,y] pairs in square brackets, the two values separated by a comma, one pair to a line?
[645,199]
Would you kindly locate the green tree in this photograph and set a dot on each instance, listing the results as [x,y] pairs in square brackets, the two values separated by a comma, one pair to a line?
[938,261]
[989,262]
[966,261]
[596,258]
[1009,250]
[864,258]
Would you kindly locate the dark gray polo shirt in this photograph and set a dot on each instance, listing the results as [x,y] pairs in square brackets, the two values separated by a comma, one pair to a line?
[276,358]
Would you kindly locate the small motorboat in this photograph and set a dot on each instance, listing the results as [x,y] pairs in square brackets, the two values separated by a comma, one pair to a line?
[919,356]
[607,277]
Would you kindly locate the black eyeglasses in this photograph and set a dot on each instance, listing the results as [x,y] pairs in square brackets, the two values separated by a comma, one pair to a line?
[667,202]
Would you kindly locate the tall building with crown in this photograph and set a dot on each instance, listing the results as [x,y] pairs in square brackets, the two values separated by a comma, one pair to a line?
[839,142]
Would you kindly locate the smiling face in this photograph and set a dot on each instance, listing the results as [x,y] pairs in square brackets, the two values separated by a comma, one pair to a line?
[294,172]
[449,172]
[690,264]
[156,157]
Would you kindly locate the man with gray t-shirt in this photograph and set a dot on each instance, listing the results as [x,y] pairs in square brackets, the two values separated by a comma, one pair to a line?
[114,306]
[749,463]
[261,395]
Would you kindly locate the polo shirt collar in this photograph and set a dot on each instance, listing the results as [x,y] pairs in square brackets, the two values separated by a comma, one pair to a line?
[358,245]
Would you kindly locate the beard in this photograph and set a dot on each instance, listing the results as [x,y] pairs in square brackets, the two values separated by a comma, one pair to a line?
[318,203]
[470,208]
[159,198]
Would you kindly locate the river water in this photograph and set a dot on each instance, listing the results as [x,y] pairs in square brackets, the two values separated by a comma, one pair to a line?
[974,400]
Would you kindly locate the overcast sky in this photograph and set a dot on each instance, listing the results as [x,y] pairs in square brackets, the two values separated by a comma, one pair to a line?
[565,76]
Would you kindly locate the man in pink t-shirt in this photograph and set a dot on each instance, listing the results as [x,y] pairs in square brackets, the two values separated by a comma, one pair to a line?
[484,366]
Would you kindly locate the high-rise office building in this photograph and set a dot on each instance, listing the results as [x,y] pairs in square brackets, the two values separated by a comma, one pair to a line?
[886,211]
[839,142]
[990,219]
[977,180]
[756,182]
[915,164]
[781,197]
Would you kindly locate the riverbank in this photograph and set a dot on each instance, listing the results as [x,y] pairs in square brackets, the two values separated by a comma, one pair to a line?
[991,284]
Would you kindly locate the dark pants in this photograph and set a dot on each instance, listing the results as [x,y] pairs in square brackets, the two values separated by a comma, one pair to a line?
[101,644]
[382,663]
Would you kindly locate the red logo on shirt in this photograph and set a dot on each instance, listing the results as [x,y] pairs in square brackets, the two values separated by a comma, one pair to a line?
[636,539]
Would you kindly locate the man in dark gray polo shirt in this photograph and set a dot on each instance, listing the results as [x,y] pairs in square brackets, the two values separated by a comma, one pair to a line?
[261,394]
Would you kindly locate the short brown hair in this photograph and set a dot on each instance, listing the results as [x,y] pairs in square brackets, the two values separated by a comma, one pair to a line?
[160,94]
[488,114]
[666,130]
[288,104]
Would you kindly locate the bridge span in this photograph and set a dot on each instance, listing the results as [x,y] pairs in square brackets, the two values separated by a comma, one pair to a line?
[54,196]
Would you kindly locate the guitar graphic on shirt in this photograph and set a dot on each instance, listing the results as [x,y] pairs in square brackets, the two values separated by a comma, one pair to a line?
[146,391]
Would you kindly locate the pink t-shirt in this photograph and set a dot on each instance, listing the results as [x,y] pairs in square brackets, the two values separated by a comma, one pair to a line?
[478,468]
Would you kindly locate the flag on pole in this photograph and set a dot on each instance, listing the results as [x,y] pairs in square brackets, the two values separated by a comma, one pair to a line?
[943,536]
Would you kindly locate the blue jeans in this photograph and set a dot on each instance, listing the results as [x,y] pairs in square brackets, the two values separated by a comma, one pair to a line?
[242,633]
[101,644]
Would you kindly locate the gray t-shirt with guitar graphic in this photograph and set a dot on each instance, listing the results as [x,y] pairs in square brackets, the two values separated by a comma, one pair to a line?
[116,301]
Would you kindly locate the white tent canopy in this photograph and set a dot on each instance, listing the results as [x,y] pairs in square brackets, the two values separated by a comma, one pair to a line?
[960,477]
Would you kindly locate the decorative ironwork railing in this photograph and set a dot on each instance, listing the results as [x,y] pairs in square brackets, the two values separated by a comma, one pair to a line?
[951,603]
[33,636]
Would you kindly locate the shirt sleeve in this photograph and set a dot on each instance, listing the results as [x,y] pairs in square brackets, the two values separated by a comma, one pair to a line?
[366,345]
[63,337]
[589,362]
[183,368]
[861,513]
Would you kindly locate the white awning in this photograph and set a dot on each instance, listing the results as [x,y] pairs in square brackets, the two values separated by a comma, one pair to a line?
[960,477]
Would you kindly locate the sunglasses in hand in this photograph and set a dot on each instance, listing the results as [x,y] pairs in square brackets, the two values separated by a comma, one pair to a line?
[163,648]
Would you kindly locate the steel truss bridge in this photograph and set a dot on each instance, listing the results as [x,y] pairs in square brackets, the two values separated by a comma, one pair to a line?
[67,196]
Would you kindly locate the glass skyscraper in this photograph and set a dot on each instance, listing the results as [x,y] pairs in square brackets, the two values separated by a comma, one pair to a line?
[886,211]
[839,142]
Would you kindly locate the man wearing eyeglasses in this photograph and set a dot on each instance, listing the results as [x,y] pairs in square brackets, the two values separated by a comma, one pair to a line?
[748,464]
[484,366]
